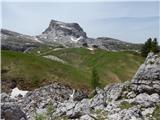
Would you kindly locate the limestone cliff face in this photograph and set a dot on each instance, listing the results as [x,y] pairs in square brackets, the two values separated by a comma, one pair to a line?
[147,78]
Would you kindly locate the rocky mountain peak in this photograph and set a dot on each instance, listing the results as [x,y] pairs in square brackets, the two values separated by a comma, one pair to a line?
[58,24]
[61,32]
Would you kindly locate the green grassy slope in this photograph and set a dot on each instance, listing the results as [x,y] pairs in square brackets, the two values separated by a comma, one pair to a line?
[33,71]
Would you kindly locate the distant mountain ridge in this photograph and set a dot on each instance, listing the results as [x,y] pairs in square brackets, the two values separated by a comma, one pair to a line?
[65,34]
[18,42]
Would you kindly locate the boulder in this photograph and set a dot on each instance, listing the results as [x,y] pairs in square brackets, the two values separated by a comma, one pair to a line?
[148,111]
[6,98]
[11,111]
[86,117]
[146,100]
[97,100]
[127,114]
[113,92]
[66,108]
[83,107]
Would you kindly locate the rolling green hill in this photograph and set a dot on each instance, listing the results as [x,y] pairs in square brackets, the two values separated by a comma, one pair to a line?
[31,70]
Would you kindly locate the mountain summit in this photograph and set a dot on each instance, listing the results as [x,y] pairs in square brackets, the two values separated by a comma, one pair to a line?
[61,32]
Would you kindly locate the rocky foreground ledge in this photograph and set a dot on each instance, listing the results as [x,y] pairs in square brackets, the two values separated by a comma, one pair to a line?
[135,100]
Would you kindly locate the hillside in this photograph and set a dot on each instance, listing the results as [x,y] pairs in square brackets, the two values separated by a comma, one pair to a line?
[31,70]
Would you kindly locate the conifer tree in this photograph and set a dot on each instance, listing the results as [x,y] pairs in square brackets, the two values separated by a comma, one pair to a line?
[149,46]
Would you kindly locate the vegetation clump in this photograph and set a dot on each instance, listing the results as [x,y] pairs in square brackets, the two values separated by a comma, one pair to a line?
[156,113]
[125,105]
[99,114]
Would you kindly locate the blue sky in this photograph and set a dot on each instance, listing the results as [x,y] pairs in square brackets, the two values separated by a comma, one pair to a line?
[128,21]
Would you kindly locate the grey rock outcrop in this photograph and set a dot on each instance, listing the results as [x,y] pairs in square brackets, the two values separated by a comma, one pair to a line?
[108,94]
[76,109]
[147,78]
[53,94]
[39,99]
